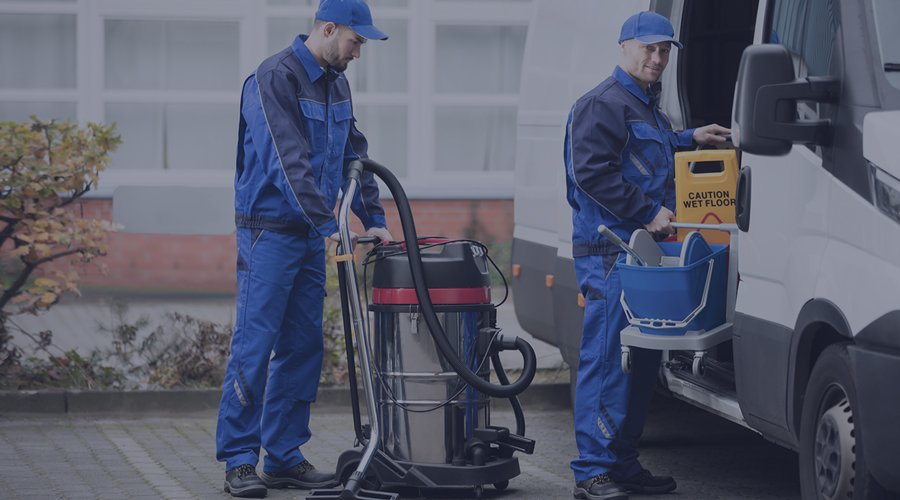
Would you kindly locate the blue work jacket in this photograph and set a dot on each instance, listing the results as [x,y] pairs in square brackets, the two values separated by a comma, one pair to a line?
[296,138]
[619,162]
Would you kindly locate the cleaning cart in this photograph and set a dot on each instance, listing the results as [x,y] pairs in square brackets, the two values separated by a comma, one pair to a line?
[679,296]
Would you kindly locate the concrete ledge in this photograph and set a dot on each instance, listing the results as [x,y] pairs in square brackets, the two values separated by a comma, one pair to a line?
[167,401]
[536,397]
[32,402]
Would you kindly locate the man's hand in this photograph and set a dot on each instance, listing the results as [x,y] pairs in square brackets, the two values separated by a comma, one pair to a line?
[711,134]
[662,223]
[336,237]
[381,233]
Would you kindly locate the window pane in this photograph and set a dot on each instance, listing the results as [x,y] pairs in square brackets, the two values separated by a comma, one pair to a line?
[175,136]
[469,138]
[382,66]
[283,30]
[887,18]
[818,47]
[172,55]
[20,111]
[140,126]
[315,3]
[386,129]
[201,136]
[295,3]
[37,51]
[497,67]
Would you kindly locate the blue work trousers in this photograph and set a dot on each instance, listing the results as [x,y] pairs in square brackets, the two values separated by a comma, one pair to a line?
[610,406]
[276,351]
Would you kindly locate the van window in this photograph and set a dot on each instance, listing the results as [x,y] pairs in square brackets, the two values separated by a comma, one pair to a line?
[887,18]
[807,28]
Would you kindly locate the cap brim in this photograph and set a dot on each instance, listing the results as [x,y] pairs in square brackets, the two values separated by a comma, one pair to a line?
[370,32]
[651,39]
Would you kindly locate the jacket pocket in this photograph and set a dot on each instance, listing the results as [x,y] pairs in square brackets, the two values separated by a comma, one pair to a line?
[647,150]
[314,119]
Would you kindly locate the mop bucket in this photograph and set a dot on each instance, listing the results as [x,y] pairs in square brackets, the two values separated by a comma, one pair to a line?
[673,299]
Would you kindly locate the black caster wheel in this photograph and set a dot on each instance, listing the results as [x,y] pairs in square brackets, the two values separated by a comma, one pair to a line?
[369,482]
[502,485]
[479,491]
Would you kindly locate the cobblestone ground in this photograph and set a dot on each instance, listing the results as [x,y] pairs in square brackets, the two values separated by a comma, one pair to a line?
[173,457]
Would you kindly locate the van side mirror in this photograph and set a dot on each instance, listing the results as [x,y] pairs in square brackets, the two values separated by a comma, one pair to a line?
[765,103]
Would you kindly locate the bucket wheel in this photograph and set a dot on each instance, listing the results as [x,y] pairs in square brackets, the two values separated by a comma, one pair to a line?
[502,485]
[698,367]
[626,359]
[479,491]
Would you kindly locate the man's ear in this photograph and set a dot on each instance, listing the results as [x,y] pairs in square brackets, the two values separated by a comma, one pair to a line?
[329,29]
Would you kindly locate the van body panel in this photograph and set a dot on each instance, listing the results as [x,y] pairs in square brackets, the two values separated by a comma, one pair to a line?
[780,259]
[762,359]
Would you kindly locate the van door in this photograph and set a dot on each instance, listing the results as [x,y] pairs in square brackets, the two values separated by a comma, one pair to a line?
[781,253]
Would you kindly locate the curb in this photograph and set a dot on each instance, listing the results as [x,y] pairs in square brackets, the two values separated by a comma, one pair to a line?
[179,401]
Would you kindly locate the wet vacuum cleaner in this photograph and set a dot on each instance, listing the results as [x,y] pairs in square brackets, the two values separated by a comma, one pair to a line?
[426,364]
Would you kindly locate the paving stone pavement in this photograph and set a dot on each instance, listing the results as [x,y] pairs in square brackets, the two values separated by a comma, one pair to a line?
[135,457]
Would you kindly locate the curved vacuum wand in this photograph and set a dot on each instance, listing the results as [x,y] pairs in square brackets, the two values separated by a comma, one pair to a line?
[418,276]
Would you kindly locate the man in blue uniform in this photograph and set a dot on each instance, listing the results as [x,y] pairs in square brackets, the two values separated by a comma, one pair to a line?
[296,137]
[619,172]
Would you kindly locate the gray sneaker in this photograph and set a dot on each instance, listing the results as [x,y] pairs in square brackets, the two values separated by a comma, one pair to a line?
[601,487]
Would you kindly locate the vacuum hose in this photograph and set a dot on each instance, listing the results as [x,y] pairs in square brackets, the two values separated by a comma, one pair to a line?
[431,319]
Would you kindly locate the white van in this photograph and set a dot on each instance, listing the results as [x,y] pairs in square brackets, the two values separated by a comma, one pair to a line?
[812,91]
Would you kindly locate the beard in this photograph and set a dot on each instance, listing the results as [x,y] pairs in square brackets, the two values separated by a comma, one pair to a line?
[332,55]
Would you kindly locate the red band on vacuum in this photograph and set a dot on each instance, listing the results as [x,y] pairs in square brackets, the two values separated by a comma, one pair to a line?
[439,296]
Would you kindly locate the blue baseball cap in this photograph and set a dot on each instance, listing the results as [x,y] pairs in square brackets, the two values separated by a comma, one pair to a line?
[352,13]
[647,28]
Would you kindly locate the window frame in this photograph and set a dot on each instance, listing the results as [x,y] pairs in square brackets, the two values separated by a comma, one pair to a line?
[420,99]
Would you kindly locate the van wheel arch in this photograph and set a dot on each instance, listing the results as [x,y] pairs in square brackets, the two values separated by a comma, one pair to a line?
[819,325]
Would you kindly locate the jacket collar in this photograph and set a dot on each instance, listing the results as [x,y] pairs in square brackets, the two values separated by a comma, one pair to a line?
[313,70]
[628,82]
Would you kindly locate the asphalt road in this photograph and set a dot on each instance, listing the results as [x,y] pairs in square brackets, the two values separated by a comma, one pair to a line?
[173,456]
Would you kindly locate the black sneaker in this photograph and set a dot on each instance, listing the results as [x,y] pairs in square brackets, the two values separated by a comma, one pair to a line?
[646,482]
[302,475]
[242,481]
[601,487]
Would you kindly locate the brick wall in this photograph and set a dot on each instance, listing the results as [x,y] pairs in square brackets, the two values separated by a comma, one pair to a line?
[203,263]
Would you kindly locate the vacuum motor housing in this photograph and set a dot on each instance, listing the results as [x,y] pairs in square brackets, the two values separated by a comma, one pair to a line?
[456,273]
[427,412]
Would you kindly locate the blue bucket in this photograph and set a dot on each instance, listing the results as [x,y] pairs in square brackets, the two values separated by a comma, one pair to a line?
[661,296]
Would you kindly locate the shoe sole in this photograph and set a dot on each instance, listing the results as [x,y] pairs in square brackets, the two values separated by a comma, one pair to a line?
[280,483]
[247,492]
[584,494]
[649,490]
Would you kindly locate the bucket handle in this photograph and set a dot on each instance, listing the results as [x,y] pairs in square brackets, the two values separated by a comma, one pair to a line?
[669,323]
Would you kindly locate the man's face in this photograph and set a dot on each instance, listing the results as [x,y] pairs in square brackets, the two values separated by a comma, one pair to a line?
[342,46]
[645,63]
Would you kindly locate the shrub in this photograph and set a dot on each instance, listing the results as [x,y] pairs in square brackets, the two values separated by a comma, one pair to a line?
[44,168]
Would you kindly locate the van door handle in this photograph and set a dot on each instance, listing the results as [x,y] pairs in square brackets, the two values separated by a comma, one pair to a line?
[742,215]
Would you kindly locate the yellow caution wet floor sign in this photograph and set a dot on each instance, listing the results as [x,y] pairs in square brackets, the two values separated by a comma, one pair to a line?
[705,188]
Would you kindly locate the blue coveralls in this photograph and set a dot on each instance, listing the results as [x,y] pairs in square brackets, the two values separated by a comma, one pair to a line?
[619,172]
[295,140]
